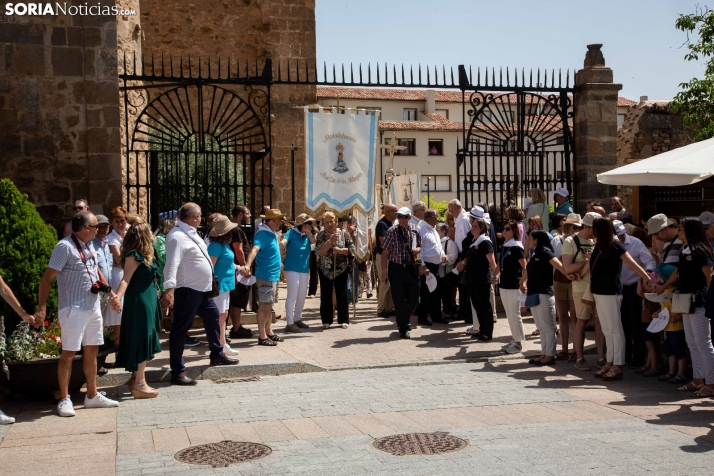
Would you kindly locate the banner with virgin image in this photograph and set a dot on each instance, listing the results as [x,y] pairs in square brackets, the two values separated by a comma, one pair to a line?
[340,156]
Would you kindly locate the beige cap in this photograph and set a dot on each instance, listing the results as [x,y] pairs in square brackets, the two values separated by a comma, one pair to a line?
[657,223]
[221,225]
[590,218]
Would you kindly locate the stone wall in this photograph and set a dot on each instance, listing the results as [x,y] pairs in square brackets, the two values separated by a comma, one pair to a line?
[246,30]
[59,114]
[650,128]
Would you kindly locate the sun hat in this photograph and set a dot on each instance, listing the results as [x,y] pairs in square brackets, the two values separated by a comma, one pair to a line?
[590,218]
[562,191]
[574,219]
[272,213]
[619,227]
[404,211]
[658,223]
[303,218]
[221,225]
[101,219]
[707,218]
[476,212]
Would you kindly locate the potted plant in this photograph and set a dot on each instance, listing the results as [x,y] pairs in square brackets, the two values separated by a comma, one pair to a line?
[30,357]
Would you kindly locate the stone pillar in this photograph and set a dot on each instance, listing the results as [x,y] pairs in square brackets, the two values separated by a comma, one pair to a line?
[594,128]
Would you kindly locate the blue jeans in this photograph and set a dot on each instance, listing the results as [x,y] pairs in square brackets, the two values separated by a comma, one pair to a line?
[189,303]
[405,293]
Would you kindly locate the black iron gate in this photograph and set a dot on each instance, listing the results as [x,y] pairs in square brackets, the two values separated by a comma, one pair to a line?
[515,141]
[196,133]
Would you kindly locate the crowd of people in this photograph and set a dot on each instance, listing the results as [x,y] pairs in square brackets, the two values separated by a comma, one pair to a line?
[565,269]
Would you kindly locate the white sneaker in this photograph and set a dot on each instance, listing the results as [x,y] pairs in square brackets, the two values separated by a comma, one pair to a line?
[507,345]
[6,420]
[228,351]
[99,401]
[471,331]
[325,326]
[65,407]
[513,348]
[345,326]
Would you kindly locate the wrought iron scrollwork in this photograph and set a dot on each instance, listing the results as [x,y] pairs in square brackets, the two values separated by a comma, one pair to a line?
[258,98]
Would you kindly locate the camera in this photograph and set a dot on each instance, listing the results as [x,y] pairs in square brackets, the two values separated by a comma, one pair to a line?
[99,286]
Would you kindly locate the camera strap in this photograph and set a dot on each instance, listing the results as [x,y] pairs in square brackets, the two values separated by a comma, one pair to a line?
[83,257]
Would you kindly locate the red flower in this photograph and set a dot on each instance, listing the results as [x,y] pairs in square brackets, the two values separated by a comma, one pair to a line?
[46,323]
[53,336]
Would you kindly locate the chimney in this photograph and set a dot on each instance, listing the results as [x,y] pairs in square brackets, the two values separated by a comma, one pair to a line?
[430,107]
[643,98]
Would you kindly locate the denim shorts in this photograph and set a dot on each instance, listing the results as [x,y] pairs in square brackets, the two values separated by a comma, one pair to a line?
[267,291]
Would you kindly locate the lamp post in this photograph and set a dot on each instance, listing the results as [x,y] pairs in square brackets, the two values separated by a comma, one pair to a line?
[293,148]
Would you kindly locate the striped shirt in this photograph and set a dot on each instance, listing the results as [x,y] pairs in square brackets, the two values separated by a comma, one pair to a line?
[73,282]
[671,251]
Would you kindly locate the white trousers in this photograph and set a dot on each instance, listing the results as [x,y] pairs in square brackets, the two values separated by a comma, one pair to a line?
[493,303]
[297,292]
[697,331]
[608,310]
[509,298]
[543,317]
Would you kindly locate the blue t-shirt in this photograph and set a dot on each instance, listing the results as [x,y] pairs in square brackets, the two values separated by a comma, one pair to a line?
[297,253]
[223,269]
[267,260]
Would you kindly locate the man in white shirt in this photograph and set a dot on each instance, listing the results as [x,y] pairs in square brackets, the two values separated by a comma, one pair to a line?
[431,256]
[188,280]
[462,227]
[418,210]
[631,307]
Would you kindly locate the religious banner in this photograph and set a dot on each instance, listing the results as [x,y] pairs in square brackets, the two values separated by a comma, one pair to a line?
[340,152]
[405,190]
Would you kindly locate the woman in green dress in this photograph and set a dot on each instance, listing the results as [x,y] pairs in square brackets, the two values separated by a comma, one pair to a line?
[141,313]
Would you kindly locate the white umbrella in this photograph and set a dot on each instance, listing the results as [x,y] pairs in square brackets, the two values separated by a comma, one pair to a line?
[683,166]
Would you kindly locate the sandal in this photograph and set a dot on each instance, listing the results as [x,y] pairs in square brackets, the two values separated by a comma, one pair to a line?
[642,370]
[613,374]
[276,338]
[677,379]
[704,392]
[573,358]
[601,373]
[267,341]
[689,387]
[666,377]
[535,333]
[650,373]
[561,355]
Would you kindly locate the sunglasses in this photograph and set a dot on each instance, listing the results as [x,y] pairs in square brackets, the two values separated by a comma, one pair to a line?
[403,216]
[507,229]
[93,226]
[79,208]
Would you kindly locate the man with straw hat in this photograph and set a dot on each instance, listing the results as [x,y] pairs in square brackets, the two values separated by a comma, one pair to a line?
[266,254]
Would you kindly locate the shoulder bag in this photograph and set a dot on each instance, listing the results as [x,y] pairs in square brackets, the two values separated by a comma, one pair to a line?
[215,288]
[588,297]
[682,303]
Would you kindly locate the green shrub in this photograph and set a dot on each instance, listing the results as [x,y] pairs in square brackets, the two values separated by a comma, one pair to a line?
[26,244]
[441,207]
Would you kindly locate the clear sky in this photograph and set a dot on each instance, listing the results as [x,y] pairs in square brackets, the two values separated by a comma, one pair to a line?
[640,41]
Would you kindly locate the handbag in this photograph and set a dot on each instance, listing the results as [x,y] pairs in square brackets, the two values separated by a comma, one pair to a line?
[532,300]
[682,303]
[588,297]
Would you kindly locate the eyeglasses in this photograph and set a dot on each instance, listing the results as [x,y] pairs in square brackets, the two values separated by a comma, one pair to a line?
[403,216]
[506,229]
[79,208]
[93,226]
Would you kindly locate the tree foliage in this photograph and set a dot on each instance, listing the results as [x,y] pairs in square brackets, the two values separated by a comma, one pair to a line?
[26,244]
[695,103]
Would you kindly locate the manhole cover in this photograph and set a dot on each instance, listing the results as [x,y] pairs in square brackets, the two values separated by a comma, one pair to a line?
[419,444]
[222,454]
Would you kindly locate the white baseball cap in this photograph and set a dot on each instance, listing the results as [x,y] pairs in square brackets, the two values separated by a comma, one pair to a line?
[404,211]
[562,191]
[619,227]
[707,218]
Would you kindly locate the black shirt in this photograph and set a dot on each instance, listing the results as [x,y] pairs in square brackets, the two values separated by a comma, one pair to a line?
[478,270]
[540,272]
[691,277]
[511,270]
[605,271]
[381,229]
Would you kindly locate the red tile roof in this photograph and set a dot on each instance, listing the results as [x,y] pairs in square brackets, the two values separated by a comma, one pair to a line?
[339,92]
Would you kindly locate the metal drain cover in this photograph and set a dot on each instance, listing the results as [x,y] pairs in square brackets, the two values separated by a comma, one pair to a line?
[220,455]
[419,444]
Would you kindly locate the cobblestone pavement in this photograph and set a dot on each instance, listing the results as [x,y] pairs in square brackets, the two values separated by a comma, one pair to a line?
[516,419]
